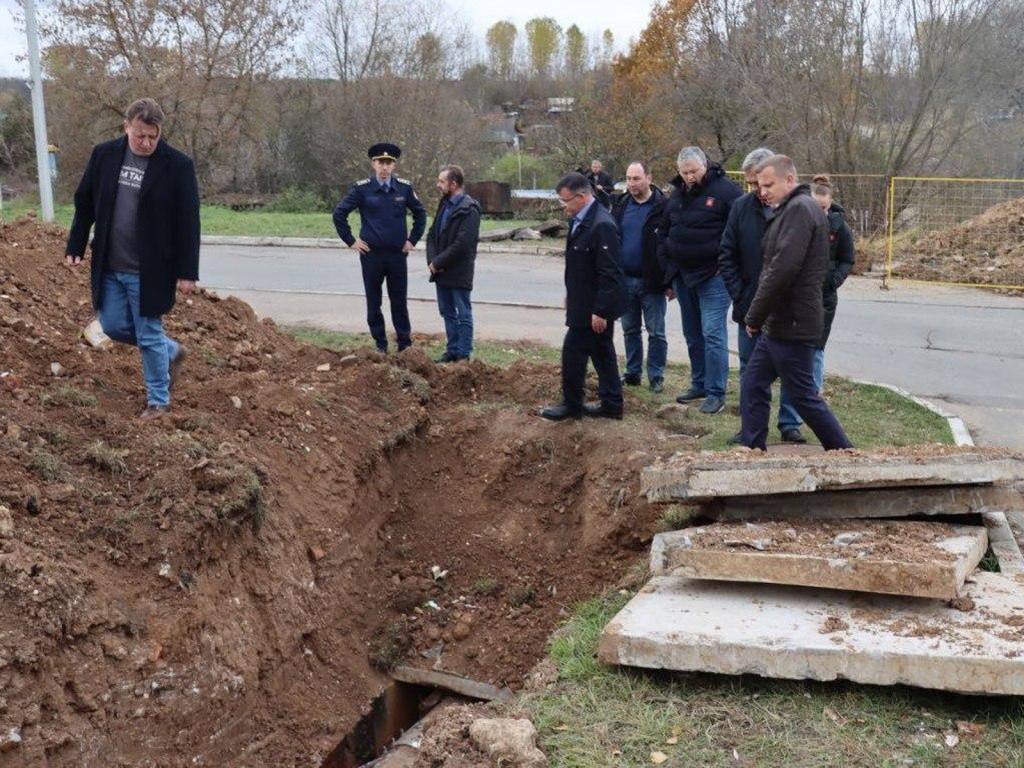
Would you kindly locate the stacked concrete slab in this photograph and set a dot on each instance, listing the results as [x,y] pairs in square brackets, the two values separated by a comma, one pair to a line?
[814,570]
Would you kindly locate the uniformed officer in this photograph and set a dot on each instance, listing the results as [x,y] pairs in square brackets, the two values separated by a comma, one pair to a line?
[383,242]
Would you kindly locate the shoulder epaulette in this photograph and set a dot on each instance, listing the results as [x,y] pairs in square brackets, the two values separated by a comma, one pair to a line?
[403,181]
[364,181]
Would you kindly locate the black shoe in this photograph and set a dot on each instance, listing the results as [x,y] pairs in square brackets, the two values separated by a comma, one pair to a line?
[559,412]
[712,405]
[631,380]
[793,436]
[446,358]
[690,395]
[736,439]
[382,350]
[657,386]
[601,411]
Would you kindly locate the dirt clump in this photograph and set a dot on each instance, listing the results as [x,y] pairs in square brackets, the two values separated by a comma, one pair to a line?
[222,587]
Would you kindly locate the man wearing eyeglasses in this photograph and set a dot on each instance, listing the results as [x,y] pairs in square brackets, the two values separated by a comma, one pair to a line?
[384,242]
[595,297]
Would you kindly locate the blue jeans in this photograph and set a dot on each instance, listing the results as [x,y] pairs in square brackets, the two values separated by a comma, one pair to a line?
[788,417]
[455,308]
[651,306]
[705,310]
[121,321]
[819,369]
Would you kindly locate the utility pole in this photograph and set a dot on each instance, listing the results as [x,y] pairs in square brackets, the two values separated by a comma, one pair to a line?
[38,112]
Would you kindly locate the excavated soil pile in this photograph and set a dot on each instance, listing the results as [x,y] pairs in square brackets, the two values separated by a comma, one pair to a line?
[223,586]
[988,248]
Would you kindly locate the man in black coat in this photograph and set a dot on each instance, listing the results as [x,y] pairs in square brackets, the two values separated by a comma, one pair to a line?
[739,263]
[142,196]
[691,230]
[595,297]
[787,309]
[451,256]
[638,214]
[600,180]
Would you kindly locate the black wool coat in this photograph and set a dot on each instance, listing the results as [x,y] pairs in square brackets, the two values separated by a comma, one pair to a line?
[453,249]
[841,260]
[167,222]
[739,254]
[692,225]
[788,302]
[594,282]
[655,280]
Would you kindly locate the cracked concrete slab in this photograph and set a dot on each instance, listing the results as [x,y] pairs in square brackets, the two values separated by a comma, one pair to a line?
[798,633]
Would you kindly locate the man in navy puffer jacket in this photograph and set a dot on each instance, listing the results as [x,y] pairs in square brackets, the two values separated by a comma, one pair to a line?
[690,232]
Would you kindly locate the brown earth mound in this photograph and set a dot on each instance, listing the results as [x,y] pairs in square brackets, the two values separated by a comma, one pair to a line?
[223,586]
[986,249]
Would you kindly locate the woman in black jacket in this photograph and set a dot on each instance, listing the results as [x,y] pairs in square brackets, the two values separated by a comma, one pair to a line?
[841,255]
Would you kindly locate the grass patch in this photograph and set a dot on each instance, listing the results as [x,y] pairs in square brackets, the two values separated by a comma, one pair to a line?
[677,516]
[605,716]
[221,220]
[107,458]
[389,646]
[246,502]
[487,587]
[525,595]
[65,394]
[48,466]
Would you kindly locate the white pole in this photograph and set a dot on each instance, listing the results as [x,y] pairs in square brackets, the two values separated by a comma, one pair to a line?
[38,112]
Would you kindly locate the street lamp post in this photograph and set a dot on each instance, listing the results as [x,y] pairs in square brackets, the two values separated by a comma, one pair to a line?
[38,112]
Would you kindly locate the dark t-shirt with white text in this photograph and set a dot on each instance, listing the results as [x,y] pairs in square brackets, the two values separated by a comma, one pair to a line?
[123,254]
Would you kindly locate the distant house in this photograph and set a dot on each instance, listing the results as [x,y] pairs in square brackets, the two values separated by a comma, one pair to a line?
[502,130]
[559,105]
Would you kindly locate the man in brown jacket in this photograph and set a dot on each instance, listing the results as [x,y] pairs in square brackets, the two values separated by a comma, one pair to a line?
[788,309]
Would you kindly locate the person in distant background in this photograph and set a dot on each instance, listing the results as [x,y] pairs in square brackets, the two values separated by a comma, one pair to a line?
[143,198]
[841,258]
[602,183]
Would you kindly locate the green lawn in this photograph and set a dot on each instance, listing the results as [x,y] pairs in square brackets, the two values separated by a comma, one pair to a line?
[219,220]
[873,417]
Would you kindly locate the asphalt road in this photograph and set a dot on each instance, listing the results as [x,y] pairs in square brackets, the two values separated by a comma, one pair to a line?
[961,348]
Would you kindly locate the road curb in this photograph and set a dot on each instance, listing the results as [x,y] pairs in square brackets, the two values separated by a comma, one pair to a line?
[274,241]
[961,434]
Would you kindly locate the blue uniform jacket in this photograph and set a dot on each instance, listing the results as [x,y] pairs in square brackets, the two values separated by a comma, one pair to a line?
[382,212]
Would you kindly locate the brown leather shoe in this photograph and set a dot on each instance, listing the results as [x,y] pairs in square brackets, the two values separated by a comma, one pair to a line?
[176,363]
[154,412]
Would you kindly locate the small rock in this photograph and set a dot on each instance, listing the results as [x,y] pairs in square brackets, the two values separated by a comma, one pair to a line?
[6,522]
[348,360]
[14,432]
[672,410]
[324,368]
[165,571]
[508,742]
[317,553]
[658,757]
[236,401]
[57,369]
[94,334]
[32,504]
[462,630]
[11,740]
[846,539]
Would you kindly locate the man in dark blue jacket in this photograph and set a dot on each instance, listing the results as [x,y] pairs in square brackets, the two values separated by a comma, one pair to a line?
[141,194]
[691,230]
[595,296]
[451,255]
[383,242]
[739,263]
[638,213]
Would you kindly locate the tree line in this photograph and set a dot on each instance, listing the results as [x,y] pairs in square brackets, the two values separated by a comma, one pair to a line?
[274,95]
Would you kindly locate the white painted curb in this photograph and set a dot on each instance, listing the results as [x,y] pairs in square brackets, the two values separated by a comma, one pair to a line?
[961,434]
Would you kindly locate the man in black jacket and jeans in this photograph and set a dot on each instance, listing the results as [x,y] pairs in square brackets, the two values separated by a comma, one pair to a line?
[595,297]
[638,214]
[787,309]
[451,256]
[141,194]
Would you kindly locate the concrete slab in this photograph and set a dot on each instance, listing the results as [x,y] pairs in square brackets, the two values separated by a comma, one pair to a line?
[708,476]
[1004,544]
[449,681]
[873,502]
[798,633]
[917,559]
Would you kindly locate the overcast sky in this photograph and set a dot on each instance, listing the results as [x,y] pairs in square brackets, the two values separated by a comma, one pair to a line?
[625,18]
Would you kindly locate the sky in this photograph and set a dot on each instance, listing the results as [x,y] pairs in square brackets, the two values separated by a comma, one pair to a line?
[625,18]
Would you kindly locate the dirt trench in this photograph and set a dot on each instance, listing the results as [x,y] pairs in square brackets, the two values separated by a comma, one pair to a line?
[230,585]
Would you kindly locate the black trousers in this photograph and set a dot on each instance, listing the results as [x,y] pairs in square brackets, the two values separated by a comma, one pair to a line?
[793,362]
[581,345]
[394,269]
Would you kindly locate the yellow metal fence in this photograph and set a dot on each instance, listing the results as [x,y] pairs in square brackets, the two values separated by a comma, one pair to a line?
[958,231]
